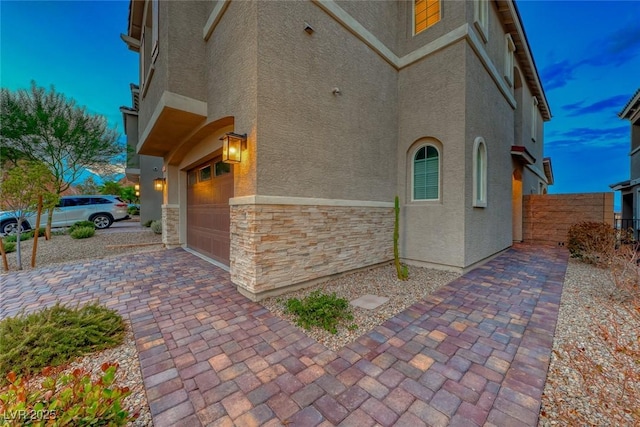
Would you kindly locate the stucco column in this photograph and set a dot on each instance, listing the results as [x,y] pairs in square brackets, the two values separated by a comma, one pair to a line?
[171,207]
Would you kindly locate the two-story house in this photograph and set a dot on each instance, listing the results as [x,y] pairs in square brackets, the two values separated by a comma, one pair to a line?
[336,107]
[630,189]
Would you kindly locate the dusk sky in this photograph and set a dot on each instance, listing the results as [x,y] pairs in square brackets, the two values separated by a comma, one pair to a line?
[587,54]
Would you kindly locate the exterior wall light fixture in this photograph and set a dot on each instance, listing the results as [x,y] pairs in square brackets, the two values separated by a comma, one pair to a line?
[232,146]
[136,187]
[158,184]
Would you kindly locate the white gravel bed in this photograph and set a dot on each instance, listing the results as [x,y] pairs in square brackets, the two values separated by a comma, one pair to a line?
[381,281]
[62,249]
[589,302]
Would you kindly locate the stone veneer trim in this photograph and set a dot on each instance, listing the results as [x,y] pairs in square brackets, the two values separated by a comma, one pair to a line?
[171,225]
[276,247]
[305,201]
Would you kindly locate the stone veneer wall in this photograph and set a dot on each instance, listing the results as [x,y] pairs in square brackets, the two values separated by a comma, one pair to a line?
[171,225]
[547,218]
[276,246]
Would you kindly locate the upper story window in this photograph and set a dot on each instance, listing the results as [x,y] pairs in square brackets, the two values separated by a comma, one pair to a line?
[479,173]
[534,119]
[509,50]
[425,14]
[426,173]
[148,47]
[481,17]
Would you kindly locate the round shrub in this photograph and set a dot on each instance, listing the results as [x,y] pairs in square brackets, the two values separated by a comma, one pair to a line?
[82,232]
[82,224]
[591,242]
[9,247]
[156,227]
[147,223]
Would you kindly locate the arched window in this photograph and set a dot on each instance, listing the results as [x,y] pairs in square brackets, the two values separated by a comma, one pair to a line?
[426,173]
[479,173]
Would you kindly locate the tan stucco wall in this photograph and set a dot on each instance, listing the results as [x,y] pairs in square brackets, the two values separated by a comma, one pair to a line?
[231,71]
[431,105]
[487,230]
[312,142]
[376,18]
[186,48]
[547,218]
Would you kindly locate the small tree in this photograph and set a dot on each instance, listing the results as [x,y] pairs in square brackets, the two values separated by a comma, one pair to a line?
[88,186]
[20,190]
[111,187]
[128,194]
[45,126]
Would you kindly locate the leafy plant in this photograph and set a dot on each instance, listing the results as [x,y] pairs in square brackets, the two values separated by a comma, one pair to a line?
[80,224]
[65,400]
[591,242]
[9,247]
[321,310]
[55,335]
[147,223]
[133,210]
[156,227]
[82,233]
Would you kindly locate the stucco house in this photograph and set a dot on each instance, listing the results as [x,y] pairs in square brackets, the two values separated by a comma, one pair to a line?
[630,189]
[336,107]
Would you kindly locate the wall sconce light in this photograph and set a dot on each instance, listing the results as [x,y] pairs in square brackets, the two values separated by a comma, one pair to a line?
[158,184]
[232,146]
[136,187]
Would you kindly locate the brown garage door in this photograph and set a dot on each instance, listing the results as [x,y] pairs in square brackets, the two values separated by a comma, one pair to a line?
[209,187]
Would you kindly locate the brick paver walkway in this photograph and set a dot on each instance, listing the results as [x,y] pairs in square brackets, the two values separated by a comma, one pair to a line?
[475,352]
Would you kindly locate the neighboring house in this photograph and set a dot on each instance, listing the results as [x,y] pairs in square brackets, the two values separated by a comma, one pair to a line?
[630,189]
[344,105]
[141,169]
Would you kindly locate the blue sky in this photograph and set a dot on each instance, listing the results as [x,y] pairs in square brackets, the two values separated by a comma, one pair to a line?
[587,54]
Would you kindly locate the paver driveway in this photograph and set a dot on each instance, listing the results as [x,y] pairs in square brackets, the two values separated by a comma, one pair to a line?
[475,352]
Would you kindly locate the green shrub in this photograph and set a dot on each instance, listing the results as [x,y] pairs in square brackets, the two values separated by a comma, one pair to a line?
[82,232]
[65,400]
[9,247]
[147,223]
[12,238]
[321,310]
[80,224]
[54,336]
[591,242]
[156,227]
[133,210]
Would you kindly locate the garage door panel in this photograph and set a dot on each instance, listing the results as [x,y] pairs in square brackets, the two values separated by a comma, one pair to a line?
[208,212]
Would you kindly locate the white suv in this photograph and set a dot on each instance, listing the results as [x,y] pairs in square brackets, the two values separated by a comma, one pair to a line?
[101,210]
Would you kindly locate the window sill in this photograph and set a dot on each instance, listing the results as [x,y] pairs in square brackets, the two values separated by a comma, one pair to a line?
[480,204]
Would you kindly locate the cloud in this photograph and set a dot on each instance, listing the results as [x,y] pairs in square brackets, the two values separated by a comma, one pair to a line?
[612,104]
[558,75]
[580,138]
[616,48]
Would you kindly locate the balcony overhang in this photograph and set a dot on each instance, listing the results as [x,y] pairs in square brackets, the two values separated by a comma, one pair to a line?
[548,170]
[521,154]
[174,119]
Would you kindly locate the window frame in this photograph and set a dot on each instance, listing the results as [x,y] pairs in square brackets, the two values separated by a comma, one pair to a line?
[480,176]
[413,17]
[534,119]
[413,166]
[481,18]
[509,58]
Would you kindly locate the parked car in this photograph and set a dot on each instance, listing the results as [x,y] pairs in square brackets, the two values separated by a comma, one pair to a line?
[101,210]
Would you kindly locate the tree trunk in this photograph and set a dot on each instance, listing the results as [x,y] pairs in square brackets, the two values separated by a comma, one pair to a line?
[5,263]
[36,232]
[18,251]
[47,233]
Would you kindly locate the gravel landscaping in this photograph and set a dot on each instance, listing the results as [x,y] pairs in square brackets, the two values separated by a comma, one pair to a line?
[585,387]
[104,243]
